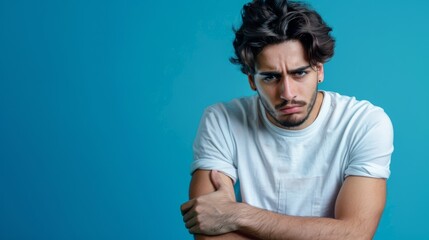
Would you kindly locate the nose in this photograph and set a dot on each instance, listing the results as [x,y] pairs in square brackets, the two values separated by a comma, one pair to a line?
[287,89]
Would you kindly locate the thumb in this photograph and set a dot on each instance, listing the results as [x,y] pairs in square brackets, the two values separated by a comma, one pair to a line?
[216,180]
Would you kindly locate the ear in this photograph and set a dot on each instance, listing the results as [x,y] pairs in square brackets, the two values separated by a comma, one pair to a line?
[251,82]
[320,72]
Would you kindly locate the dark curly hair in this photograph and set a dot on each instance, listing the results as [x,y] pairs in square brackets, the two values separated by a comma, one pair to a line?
[266,22]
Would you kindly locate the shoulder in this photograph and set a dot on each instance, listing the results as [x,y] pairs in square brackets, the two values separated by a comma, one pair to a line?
[349,103]
[364,121]
[368,132]
[350,108]
[238,108]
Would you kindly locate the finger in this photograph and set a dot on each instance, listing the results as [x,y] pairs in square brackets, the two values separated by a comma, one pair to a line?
[191,223]
[215,178]
[184,208]
[195,230]
[188,215]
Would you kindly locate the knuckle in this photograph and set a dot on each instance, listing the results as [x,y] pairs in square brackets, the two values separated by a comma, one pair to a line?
[199,220]
[198,209]
[203,227]
[199,200]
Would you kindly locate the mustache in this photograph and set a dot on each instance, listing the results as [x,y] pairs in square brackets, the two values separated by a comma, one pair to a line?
[293,102]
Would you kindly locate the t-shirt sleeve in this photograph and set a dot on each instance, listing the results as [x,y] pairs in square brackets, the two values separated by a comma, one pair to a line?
[213,146]
[372,147]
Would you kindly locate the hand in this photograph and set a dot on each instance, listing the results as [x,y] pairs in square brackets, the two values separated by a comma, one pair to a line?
[211,214]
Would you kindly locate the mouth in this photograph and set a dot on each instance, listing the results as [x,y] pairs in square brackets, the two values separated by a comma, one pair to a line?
[290,109]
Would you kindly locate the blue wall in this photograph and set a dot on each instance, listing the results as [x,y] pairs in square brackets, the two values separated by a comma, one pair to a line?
[100,102]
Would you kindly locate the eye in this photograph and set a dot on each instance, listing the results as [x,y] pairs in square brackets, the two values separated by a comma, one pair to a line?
[270,78]
[300,74]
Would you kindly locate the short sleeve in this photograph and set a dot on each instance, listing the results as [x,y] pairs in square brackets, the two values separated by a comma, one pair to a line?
[213,146]
[372,146]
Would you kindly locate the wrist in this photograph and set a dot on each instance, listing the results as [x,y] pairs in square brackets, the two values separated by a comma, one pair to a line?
[232,215]
[243,215]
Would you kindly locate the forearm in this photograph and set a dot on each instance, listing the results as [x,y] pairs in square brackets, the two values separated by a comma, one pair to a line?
[268,225]
[358,209]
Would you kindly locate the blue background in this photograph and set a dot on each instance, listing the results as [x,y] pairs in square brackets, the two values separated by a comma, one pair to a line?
[100,102]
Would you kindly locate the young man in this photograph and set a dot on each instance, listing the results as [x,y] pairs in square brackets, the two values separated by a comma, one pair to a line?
[311,164]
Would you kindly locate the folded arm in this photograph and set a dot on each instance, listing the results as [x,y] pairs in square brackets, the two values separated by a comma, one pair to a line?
[203,190]
[358,210]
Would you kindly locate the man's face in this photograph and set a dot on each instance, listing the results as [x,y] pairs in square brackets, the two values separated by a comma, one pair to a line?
[287,85]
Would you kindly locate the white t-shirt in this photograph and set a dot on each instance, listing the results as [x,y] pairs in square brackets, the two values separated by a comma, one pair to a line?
[294,172]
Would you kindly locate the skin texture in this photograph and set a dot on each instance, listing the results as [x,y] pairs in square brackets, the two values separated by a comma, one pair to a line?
[287,86]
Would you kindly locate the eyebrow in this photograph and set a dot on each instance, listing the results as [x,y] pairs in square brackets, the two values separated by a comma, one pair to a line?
[293,71]
[297,70]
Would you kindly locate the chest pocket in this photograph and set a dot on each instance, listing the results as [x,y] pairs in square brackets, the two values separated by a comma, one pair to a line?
[300,196]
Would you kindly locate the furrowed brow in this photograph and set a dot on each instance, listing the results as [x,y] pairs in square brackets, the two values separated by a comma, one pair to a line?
[268,73]
[297,70]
